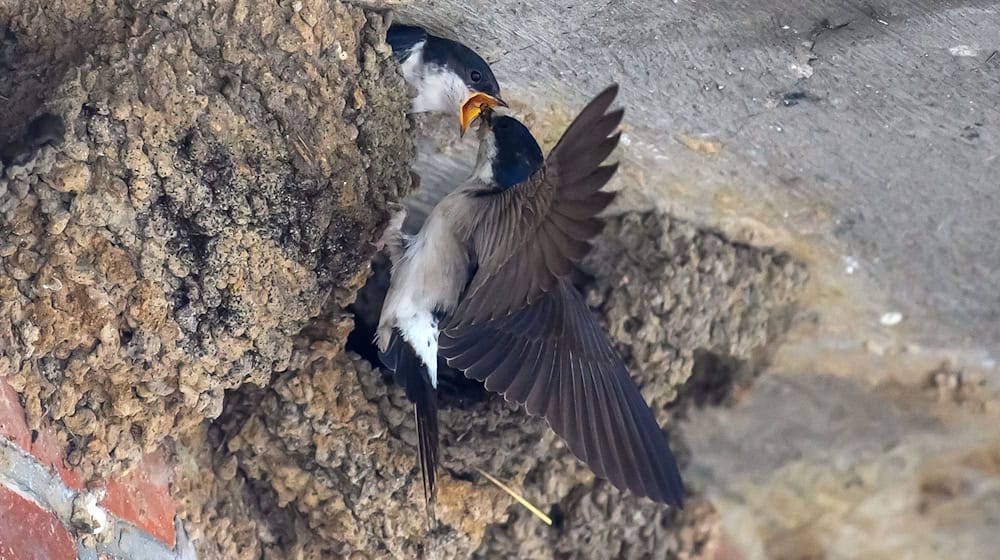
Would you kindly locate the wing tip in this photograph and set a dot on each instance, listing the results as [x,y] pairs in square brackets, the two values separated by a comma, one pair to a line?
[671,492]
[606,97]
[611,90]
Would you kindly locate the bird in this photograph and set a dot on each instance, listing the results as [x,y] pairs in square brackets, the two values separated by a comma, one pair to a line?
[485,284]
[442,72]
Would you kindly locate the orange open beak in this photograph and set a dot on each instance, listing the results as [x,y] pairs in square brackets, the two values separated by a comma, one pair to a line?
[473,106]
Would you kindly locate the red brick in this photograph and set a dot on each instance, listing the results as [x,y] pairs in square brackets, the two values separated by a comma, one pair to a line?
[12,424]
[51,452]
[28,532]
[142,497]
[47,447]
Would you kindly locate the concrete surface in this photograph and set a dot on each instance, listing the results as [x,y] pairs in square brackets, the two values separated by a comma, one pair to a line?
[862,137]
[897,473]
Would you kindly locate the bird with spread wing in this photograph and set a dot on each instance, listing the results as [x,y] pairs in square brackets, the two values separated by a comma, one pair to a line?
[485,284]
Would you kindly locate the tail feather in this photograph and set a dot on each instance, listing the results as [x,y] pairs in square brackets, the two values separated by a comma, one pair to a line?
[427,451]
[411,373]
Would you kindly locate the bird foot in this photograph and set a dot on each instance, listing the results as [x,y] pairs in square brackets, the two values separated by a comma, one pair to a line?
[394,229]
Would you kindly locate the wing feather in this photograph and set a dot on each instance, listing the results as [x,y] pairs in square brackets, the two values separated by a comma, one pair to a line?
[559,363]
[551,217]
[523,329]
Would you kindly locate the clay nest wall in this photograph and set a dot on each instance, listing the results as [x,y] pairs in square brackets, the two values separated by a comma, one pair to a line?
[219,174]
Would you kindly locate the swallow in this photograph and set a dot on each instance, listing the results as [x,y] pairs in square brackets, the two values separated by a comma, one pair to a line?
[442,72]
[485,284]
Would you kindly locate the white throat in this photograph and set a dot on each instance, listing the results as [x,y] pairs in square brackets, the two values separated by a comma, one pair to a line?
[438,89]
[413,64]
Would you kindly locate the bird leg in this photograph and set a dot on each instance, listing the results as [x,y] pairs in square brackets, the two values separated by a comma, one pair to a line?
[393,237]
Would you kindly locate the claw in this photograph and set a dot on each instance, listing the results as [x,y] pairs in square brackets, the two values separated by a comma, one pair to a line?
[394,229]
[398,215]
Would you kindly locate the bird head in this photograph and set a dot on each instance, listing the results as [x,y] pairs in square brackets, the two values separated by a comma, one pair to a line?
[459,74]
[508,152]
[475,73]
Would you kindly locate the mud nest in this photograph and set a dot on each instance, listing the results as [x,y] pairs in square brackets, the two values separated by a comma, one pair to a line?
[222,170]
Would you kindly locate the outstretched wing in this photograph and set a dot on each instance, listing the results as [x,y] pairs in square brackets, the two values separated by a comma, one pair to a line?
[529,236]
[553,357]
[523,329]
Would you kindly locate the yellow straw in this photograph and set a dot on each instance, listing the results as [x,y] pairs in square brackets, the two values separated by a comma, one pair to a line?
[537,513]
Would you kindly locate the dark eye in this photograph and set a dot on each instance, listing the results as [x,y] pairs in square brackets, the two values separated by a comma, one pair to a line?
[476,75]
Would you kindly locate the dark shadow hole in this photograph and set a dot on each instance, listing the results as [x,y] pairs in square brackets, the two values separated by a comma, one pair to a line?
[714,378]
[558,517]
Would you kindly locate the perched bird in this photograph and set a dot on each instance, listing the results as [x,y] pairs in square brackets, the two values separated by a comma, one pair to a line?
[485,284]
[443,73]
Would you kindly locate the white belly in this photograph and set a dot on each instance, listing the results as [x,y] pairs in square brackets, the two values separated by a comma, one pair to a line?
[428,277]
[420,330]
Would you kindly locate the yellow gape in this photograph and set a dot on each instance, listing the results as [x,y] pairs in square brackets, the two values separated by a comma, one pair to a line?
[472,107]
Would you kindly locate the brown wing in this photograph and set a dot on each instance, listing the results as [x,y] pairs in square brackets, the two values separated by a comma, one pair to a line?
[523,329]
[527,237]
[553,357]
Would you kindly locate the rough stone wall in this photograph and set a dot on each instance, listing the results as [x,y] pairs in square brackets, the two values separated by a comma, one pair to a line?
[671,292]
[329,446]
[224,168]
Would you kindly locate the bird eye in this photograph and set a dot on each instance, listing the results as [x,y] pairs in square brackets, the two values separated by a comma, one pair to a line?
[476,75]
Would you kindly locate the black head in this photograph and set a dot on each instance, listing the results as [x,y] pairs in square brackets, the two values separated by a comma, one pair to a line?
[517,156]
[462,60]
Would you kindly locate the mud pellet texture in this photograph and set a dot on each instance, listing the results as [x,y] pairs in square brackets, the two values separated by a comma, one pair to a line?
[224,169]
